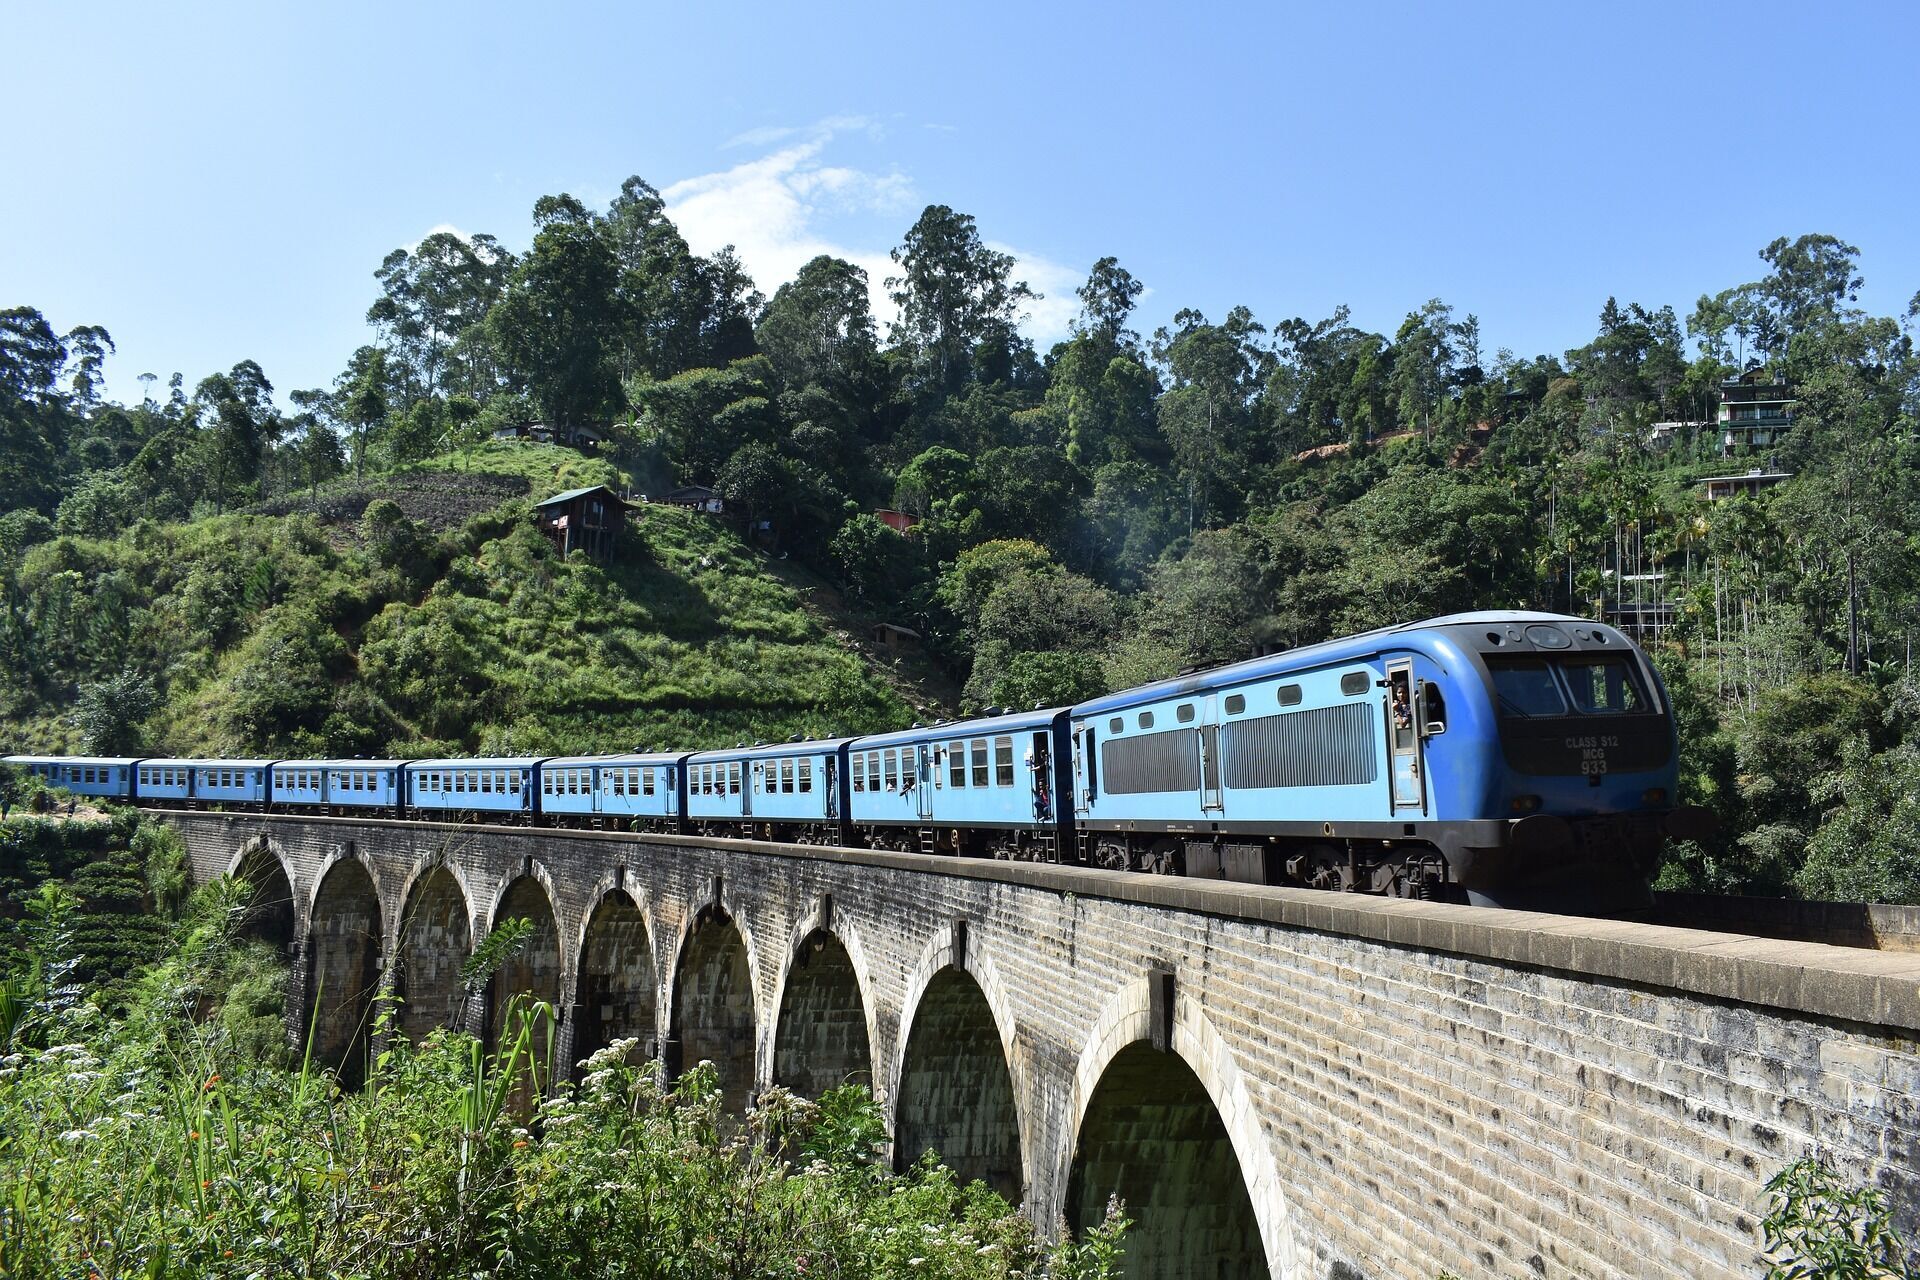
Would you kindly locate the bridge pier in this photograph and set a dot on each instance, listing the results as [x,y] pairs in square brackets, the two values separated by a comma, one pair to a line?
[1278,1082]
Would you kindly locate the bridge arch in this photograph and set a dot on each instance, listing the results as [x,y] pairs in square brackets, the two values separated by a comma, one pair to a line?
[535,970]
[275,913]
[432,938]
[344,963]
[616,990]
[714,1014]
[824,1028]
[1173,1132]
[957,1083]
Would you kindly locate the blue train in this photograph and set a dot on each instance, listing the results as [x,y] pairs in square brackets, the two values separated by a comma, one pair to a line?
[1503,758]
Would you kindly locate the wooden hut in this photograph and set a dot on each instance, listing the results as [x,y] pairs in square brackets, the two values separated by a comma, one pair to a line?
[588,520]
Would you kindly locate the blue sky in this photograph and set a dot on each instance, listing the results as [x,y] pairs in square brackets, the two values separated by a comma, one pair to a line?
[214,182]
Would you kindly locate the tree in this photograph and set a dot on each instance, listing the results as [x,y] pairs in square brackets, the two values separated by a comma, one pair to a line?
[558,325]
[431,297]
[109,712]
[1207,415]
[1106,300]
[1424,363]
[243,425]
[363,401]
[819,327]
[954,294]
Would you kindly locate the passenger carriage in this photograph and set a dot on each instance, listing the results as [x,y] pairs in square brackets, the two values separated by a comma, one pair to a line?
[990,787]
[105,777]
[326,785]
[789,791]
[164,783]
[499,788]
[633,793]
[197,784]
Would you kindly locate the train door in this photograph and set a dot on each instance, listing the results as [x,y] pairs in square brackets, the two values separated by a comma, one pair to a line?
[1403,739]
[923,780]
[1083,769]
[1211,798]
[602,778]
[751,772]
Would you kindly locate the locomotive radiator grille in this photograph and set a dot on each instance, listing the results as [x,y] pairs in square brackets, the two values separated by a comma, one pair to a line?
[1167,761]
[1325,747]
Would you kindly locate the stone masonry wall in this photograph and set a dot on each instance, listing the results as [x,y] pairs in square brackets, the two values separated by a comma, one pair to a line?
[1406,1087]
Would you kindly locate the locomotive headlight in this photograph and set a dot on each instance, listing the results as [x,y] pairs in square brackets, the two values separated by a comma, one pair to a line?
[1653,796]
[1525,804]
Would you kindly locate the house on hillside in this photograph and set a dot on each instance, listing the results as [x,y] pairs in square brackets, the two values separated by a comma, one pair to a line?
[696,497]
[588,520]
[541,433]
[898,521]
[1755,412]
[1720,488]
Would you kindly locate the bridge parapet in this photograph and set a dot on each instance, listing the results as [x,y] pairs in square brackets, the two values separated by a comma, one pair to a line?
[1279,1081]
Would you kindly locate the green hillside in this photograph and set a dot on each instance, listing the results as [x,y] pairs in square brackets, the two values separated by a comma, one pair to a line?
[423,612]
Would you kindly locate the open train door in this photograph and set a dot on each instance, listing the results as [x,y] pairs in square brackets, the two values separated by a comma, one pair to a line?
[1403,740]
[923,780]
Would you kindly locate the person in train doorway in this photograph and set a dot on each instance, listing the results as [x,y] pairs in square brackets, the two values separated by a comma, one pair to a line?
[1402,712]
[1042,801]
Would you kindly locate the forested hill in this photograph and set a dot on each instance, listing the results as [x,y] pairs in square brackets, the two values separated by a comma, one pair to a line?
[345,625]
[1104,512]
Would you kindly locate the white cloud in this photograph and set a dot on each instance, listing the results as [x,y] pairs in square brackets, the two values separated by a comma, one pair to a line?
[787,207]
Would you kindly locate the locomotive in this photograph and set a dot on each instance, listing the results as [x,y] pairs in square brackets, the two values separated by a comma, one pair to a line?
[1498,758]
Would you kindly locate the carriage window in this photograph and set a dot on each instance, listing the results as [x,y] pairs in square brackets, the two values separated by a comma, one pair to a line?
[646,781]
[806,775]
[546,783]
[617,781]
[513,783]
[786,776]
[980,762]
[733,779]
[859,760]
[1290,694]
[1236,703]
[957,763]
[873,770]
[1003,762]
[1146,719]
[890,763]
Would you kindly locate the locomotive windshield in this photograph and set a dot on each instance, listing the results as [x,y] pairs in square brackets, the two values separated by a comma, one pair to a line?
[1577,714]
[1533,688]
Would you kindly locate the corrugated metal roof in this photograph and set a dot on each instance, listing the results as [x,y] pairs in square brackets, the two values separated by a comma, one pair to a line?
[571,494]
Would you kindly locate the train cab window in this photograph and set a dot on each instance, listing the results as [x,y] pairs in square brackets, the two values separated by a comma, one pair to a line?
[1236,703]
[980,762]
[957,764]
[1003,762]
[1146,719]
[806,775]
[1601,686]
[1184,713]
[1290,694]
[1525,687]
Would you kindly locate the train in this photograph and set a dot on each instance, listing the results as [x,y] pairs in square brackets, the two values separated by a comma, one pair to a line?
[1498,758]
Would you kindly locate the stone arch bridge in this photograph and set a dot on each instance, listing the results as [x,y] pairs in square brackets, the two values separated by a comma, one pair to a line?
[1277,1082]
